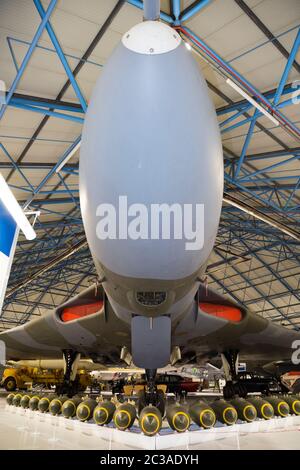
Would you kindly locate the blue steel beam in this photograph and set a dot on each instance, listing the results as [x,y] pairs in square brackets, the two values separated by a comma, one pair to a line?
[28,55]
[48,202]
[15,166]
[13,54]
[61,55]
[233,117]
[223,287]
[37,166]
[241,103]
[191,11]
[246,143]
[268,191]
[245,189]
[47,112]
[249,246]
[287,69]
[11,39]
[272,154]
[233,73]
[249,119]
[259,291]
[291,195]
[176,10]
[52,171]
[271,167]
[45,104]
[278,278]
[76,70]
[267,188]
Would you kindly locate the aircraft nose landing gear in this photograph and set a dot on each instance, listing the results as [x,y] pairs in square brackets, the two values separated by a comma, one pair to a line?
[151,396]
[230,365]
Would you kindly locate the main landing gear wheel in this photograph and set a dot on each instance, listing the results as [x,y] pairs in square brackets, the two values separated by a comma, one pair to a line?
[151,396]
[141,401]
[158,400]
[231,390]
[230,365]
[228,391]
[10,384]
[70,386]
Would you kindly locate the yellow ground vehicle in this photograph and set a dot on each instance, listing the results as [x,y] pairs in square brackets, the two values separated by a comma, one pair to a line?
[24,377]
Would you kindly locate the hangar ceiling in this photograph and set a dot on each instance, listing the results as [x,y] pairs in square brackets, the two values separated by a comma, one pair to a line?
[50,68]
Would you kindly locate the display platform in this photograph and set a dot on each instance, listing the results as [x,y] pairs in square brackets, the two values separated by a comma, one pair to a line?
[59,429]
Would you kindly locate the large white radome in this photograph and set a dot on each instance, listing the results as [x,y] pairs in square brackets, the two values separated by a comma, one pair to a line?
[151,37]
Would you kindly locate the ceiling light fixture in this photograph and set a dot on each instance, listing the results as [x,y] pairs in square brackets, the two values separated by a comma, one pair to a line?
[68,157]
[252,101]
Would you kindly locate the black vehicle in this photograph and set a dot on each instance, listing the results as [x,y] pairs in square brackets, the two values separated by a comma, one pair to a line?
[256,383]
[177,384]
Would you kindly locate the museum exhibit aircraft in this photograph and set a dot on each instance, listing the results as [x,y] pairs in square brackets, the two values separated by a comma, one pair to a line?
[151,306]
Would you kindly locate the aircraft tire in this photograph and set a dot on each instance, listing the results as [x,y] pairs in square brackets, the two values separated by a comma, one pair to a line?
[10,384]
[160,402]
